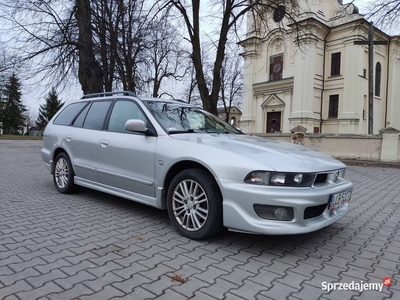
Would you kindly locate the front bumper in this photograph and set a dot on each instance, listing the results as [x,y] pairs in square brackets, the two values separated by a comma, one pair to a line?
[239,213]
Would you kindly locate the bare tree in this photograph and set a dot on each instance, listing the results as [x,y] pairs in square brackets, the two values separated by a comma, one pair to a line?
[105,24]
[191,86]
[230,13]
[57,37]
[132,43]
[89,73]
[231,82]
[104,43]
[385,13]
[166,58]
[44,38]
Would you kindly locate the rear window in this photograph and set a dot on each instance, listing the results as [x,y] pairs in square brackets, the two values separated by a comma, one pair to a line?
[79,120]
[69,113]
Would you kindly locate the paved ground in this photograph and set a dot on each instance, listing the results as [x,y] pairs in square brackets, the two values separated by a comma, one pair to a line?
[96,246]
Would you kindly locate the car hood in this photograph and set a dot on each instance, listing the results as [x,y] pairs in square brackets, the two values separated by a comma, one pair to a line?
[281,156]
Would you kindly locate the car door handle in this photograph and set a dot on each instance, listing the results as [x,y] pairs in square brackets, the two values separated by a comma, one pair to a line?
[68,138]
[104,143]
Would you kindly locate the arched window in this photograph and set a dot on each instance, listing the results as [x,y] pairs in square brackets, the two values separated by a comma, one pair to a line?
[276,59]
[378,70]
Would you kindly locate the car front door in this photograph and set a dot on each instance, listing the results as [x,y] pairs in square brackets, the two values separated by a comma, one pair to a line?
[126,159]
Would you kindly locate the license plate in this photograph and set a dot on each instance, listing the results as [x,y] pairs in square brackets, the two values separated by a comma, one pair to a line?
[339,199]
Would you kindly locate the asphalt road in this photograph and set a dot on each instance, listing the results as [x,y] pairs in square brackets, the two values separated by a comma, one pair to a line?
[95,246]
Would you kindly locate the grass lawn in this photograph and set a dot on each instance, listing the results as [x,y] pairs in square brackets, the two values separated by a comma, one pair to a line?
[19,137]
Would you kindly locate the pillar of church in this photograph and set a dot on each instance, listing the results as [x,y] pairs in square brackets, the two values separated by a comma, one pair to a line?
[303,92]
[351,101]
[247,121]
[393,103]
[286,112]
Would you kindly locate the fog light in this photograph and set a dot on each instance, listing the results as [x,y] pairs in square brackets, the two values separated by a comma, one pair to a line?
[280,213]
[272,212]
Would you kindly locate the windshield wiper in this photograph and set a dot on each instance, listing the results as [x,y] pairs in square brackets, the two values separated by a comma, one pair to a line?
[181,131]
[210,130]
[206,130]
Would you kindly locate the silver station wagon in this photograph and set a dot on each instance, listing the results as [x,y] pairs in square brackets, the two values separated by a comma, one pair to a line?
[206,173]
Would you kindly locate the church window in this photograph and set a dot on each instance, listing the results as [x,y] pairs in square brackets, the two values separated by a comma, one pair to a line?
[333,106]
[378,70]
[275,67]
[335,63]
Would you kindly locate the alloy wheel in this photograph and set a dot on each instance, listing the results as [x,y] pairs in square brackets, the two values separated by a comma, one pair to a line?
[190,205]
[61,173]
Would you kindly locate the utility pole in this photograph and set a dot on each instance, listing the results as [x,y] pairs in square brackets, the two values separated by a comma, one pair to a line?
[370,44]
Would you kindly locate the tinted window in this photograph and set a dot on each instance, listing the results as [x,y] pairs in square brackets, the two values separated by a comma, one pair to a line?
[69,113]
[123,111]
[96,115]
[81,118]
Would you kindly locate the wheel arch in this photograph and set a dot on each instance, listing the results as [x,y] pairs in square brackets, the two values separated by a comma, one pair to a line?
[57,151]
[180,166]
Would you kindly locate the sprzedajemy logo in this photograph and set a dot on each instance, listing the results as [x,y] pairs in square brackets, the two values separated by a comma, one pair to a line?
[352,286]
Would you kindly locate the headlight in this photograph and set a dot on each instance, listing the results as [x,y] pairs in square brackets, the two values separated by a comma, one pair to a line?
[257,177]
[280,179]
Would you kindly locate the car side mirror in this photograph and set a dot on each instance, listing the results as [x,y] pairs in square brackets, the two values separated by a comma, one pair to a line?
[137,125]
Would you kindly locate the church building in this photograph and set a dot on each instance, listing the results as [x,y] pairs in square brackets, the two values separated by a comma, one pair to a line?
[313,71]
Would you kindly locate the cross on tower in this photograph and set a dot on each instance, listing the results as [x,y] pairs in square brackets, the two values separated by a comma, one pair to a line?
[370,42]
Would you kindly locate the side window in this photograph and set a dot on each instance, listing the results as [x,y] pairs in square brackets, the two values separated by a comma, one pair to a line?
[81,118]
[69,113]
[124,110]
[96,115]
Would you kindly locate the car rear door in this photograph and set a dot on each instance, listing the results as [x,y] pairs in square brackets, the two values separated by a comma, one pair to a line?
[83,138]
[126,159]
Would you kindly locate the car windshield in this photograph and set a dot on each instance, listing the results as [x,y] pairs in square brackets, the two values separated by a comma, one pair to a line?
[180,118]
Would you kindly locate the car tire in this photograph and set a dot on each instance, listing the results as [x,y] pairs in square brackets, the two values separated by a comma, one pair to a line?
[63,174]
[194,204]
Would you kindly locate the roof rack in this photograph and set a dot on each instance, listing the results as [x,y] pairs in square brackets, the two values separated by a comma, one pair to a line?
[103,94]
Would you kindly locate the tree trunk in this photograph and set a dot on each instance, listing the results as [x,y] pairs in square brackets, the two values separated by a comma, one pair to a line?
[89,72]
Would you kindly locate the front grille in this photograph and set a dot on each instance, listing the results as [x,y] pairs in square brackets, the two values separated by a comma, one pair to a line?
[314,211]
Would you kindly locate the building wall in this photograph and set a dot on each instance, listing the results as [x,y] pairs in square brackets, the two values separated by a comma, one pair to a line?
[347,147]
[307,83]
[393,107]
